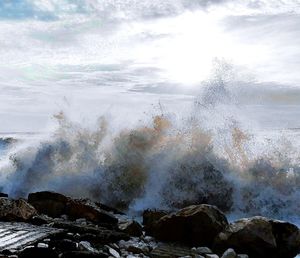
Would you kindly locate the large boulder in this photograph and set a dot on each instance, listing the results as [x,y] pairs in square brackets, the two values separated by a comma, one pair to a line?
[16,210]
[131,227]
[260,237]
[49,203]
[31,252]
[86,209]
[55,205]
[196,225]
[150,217]
[287,237]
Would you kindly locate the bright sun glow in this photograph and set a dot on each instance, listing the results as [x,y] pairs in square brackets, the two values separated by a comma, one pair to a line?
[188,44]
[188,56]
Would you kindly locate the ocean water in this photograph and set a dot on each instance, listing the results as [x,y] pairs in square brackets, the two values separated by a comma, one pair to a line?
[151,104]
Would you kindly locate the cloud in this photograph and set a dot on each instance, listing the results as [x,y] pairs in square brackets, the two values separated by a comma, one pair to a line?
[49,10]
[20,9]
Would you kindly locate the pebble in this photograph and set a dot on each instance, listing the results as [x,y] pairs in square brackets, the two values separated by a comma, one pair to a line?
[64,216]
[42,245]
[211,256]
[113,252]
[86,246]
[148,239]
[202,250]
[229,253]
[81,221]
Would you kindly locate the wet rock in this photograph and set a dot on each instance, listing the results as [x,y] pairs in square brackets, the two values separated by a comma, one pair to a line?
[81,221]
[194,225]
[113,252]
[57,205]
[136,246]
[64,245]
[76,209]
[170,250]
[42,245]
[202,250]
[131,228]
[83,254]
[40,220]
[109,209]
[229,253]
[211,256]
[4,195]
[38,252]
[86,246]
[150,217]
[136,249]
[260,237]
[49,203]
[16,210]
[10,252]
[97,234]
[242,256]
[287,237]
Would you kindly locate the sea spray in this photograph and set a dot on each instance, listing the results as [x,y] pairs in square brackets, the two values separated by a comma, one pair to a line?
[211,154]
[155,166]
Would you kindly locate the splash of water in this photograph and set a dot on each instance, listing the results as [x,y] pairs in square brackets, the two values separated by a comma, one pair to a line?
[209,156]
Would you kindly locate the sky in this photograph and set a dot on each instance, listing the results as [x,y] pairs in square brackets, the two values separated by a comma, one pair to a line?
[121,57]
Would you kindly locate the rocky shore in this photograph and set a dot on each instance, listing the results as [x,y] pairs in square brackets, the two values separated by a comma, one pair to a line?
[50,224]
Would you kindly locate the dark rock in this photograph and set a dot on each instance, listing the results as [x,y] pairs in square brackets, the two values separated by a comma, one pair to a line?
[135,249]
[39,220]
[3,195]
[150,217]
[83,254]
[88,237]
[260,237]
[55,205]
[38,252]
[109,209]
[16,210]
[196,225]
[287,237]
[86,246]
[131,228]
[170,250]
[49,203]
[113,252]
[64,245]
[229,253]
[101,235]
[86,209]
[202,250]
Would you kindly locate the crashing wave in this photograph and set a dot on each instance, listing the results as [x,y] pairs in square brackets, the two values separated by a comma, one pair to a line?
[157,166]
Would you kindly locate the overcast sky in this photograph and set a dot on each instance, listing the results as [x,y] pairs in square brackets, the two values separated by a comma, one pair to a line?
[88,57]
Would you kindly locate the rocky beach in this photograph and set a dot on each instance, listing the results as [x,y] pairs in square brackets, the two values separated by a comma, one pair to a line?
[149,128]
[52,225]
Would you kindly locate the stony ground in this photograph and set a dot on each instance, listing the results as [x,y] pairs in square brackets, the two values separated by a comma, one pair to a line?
[50,224]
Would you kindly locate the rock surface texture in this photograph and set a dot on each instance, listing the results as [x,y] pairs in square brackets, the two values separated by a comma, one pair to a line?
[60,226]
[16,210]
[196,225]
[260,237]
